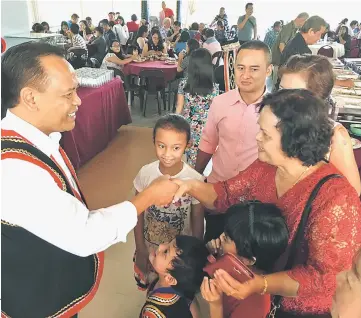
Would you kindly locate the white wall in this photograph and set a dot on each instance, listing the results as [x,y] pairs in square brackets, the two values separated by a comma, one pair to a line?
[14,17]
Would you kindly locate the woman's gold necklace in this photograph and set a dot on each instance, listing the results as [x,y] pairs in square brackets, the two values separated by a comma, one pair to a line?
[301,175]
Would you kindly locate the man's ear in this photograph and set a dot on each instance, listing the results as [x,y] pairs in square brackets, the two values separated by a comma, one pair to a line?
[171,281]
[28,97]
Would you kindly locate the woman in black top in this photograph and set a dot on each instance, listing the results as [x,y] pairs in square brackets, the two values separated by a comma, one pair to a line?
[155,45]
[344,38]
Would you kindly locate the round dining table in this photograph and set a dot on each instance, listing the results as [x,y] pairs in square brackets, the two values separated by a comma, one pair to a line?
[169,70]
[338,49]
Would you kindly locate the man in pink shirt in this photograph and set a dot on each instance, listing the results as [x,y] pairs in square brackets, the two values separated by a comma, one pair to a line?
[230,133]
[211,44]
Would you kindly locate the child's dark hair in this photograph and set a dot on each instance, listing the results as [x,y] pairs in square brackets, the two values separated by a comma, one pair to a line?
[187,266]
[173,122]
[259,231]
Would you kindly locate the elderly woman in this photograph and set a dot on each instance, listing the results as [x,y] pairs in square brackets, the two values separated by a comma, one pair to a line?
[155,45]
[314,72]
[295,134]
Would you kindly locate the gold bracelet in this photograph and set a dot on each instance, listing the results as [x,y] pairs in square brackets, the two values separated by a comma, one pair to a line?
[265,285]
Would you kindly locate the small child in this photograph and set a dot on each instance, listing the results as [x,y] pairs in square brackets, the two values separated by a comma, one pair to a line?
[179,265]
[161,224]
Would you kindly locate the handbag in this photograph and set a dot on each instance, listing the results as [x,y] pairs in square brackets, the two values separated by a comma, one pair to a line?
[296,245]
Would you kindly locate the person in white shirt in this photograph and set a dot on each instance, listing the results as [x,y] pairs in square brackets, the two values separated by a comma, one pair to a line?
[51,242]
[121,31]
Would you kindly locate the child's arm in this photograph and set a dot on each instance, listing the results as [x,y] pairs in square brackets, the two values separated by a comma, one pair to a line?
[197,220]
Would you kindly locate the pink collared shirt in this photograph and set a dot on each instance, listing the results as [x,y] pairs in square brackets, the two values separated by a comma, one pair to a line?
[230,135]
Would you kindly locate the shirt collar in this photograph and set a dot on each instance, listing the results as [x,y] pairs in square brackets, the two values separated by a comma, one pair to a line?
[235,97]
[47,144]
[211,40]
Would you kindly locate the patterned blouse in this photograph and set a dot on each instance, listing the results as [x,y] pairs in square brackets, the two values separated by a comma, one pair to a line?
[195,110]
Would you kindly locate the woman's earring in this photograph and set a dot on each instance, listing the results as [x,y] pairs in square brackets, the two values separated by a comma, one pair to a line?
[253,261]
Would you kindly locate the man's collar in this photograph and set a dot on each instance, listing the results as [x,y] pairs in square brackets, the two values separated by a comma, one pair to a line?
[47,144]
[235,97]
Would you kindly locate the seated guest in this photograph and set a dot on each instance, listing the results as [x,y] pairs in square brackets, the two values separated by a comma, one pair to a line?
[90,23]
[155,45]
[344,38]
[272,34]
[109,35]
[343,22]
[179,265]
[183,60]
[85,31]
[133,26]
[115,58]
[141,38]
[211,43]
[181,43]
[257,233]
[76,40]
[46,27]
[37,28]
[73,20]
[174,33]
[64,28]
[202,27]
[99,45]
[220,33]
[165,29]
[194,31]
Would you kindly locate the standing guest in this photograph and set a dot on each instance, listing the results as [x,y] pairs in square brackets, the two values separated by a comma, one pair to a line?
[116,59]
[220,33]
[195,95]
[141,38]
[232,148]
[155,45]
[222,16]
[166,13]
[161,224]
[121,31]
[57,249]
[133,26]
[247,25]
[287,32]
[194,32]
[46,27]
[165,29]
[344,38]
[109,35]
[73,20]
[111,16]
[181,43]
[309,34]
[90,23]
[211,44]
[343,22]
[183,60]
[99,44]
[272,34]
[85,31]
[64,28]
[174,33]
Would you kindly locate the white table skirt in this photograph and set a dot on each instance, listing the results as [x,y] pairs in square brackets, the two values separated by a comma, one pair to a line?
[338,49]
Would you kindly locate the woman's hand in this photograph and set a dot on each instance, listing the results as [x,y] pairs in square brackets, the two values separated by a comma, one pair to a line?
[232,287]
[210,292]
[215,246]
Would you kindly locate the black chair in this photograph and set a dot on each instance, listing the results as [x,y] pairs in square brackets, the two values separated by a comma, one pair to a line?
[233,31]
[77,57]
[218,55]
[153,83]
[219,78]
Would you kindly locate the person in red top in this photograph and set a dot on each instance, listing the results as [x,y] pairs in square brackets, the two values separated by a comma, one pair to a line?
[166,13]
[257,233]
[133,25]
[295,134]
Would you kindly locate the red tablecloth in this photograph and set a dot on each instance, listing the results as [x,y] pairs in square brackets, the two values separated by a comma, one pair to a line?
[170,71]
[102,112]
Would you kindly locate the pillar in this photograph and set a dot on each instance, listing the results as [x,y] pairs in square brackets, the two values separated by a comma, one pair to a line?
[145,10]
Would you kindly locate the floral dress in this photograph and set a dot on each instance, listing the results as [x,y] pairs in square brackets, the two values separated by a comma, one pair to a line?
[195,110]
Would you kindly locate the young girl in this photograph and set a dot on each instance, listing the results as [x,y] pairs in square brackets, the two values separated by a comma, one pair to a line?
[195,95]
[256,232]
[161,224]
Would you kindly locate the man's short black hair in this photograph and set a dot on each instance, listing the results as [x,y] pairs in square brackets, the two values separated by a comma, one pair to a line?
[173,122]
[209,33]
[111,12]
[21,67]
[88,18]
[220,23]
[99,29]
[74,28]
[37,28]
[177,23]
[134,17]
[74,16]
[277,24]
[259,231]
[258,46]
[303,123]
[354,22]
[111,23]
[248,5]
[104,22]
[187,266]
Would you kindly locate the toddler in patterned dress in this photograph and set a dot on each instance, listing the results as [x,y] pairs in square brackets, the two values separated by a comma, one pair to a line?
[161,224]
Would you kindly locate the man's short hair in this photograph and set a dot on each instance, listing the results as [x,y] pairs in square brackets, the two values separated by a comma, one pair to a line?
[88,18]
[111,13]
[209,33]
[104,22]
[177,23]
[74,28]
[354,22]
[277,24]
[220,23]
[74,16]
[21,67]
[303,15]
[248,5]
[99,29]
[315,23]
[258,46]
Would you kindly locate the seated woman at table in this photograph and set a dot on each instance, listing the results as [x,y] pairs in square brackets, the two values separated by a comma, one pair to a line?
[85,31]
[195,95]
[295,134]
[155,45]
[116,59]
[64,28]
[97,46]
[343,37]
[141,38]
[183,60]
[314,72]
[181,43]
